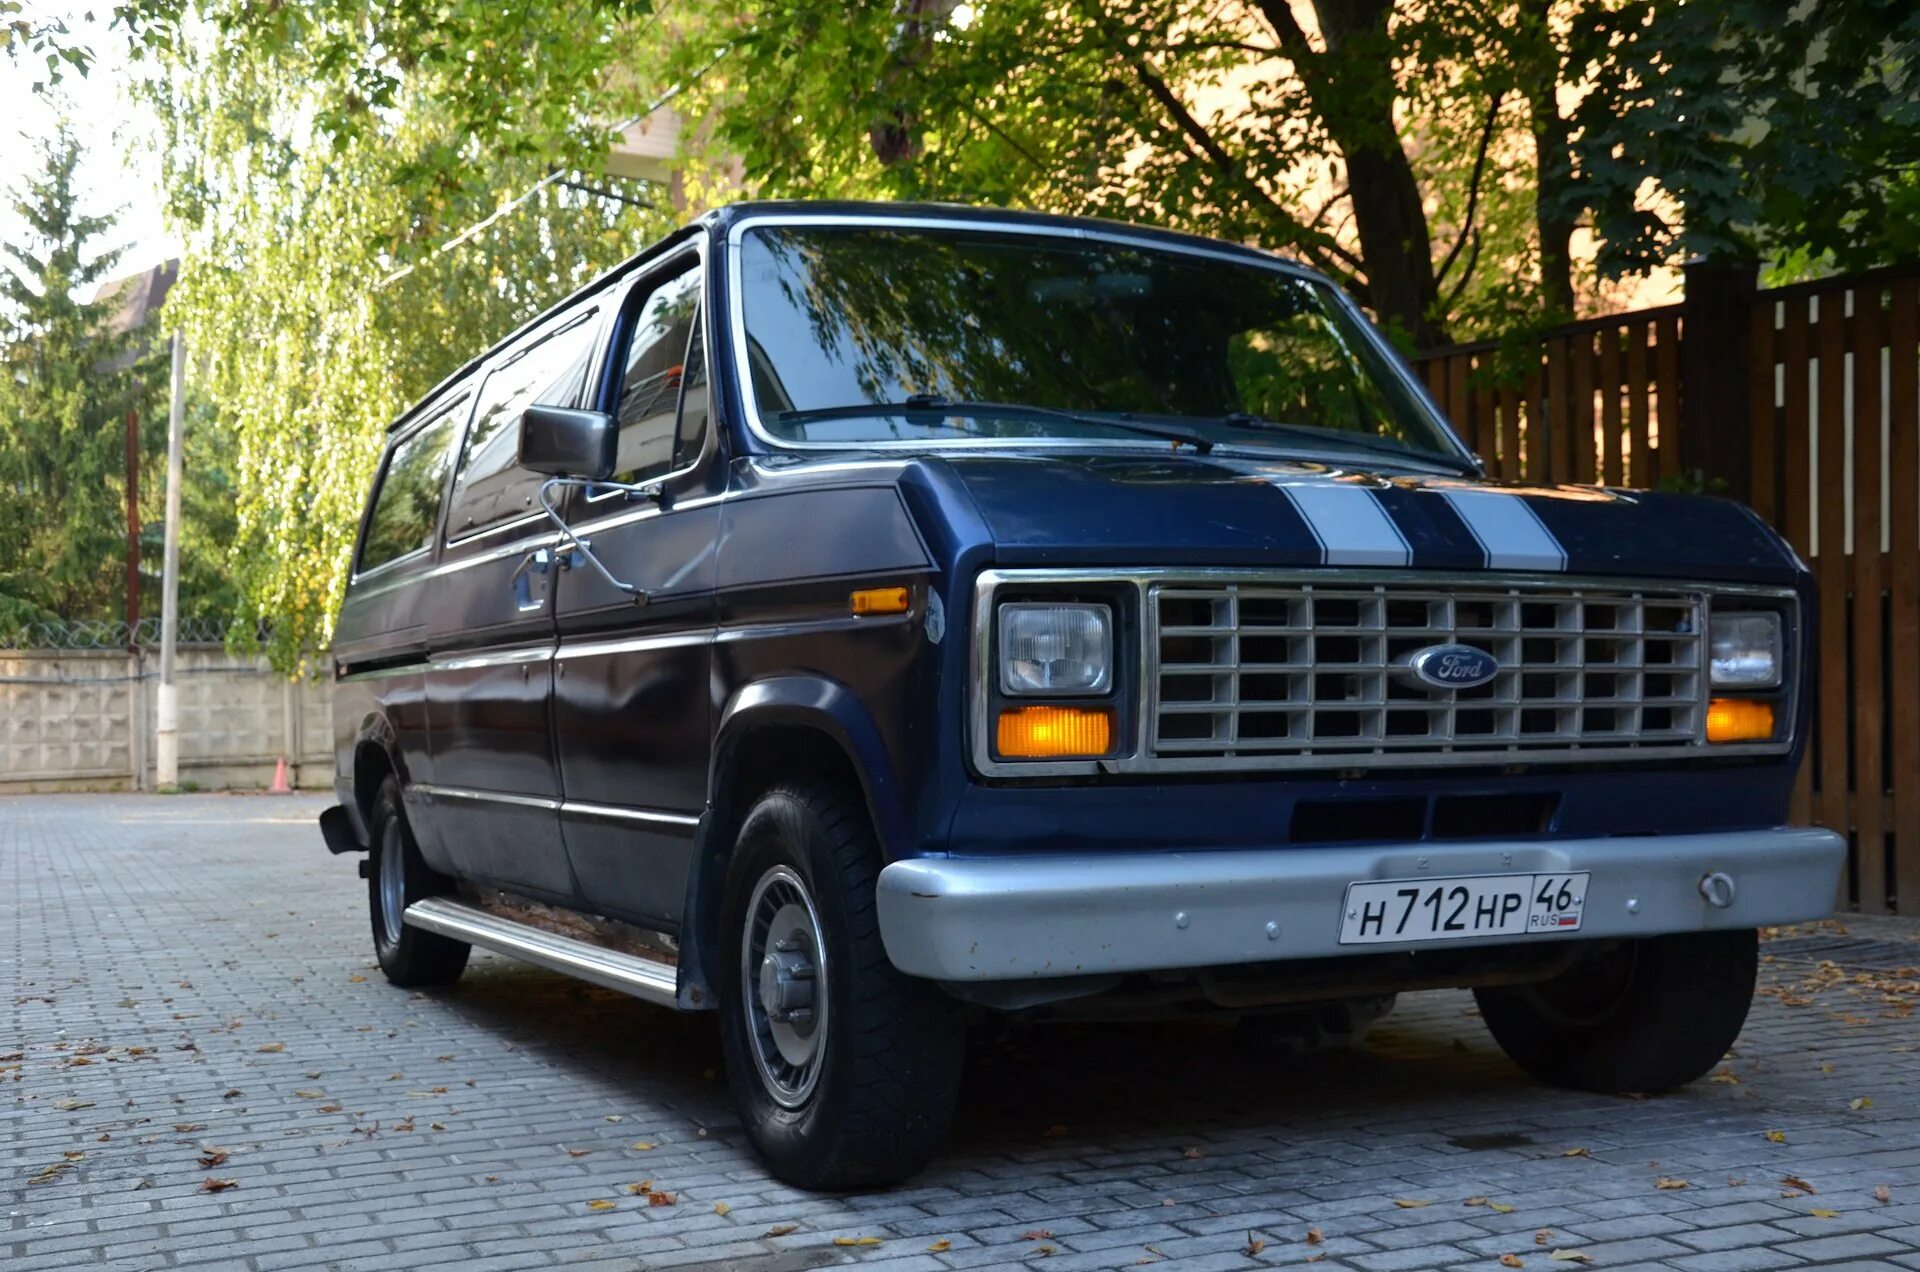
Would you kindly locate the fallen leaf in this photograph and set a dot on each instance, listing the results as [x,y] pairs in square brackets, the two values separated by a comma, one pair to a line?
[1776,1137]
[601,1203]
[1667,1184]
[1543,1237]
[75,1155]
[1794,1181]
[1315,1258]
[1500,1207]
[939,1247]
[611,1117]
[311,1095]
[641,1146]
[68,1106]
[436,1126]
[1576,1152]
[1512,1261]
[1864,1102]
[1254,1245]
[232,1093]
[329,1108]
[1043,1251]
[578,1152]
[782,1229]
[856,1241]
[271,1047]
[143,1185]
[187,1128]
[661,1199]
[1882,1193]
[640,1189]
[218,1185]
[213,1157]
[721,1208]
[1192,1154]
[1474,1201]
[1571,1256]
[1410,1203]
[1819,1213]
[1315,1236]
[356,980]
[1036,1234]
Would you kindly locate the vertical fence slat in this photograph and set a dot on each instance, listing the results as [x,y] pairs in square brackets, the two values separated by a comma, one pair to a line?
[1555,438]
[1457,396]
[1481,395]
[1610,406]
[1510,432]
[1666,357]
[1760,423]
[1534,435]
[1830,566]
[1868,684]
[1638,470]
[1797,521]
[1580,417]
[1903,511]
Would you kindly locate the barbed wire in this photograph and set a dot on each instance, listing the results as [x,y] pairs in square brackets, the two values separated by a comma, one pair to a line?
[116,634]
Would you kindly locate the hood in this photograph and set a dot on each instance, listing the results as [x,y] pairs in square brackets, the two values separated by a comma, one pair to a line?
[1162,510]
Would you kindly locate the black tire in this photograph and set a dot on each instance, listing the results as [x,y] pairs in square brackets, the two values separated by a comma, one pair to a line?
[409,956]
[887,1071]
[1647,1016]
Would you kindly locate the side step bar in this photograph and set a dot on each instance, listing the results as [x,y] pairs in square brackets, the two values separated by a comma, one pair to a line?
[643,978]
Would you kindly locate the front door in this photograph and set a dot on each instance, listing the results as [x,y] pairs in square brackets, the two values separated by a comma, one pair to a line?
[495,793]
[633,710]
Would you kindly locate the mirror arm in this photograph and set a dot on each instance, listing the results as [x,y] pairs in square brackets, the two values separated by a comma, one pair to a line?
[576,544]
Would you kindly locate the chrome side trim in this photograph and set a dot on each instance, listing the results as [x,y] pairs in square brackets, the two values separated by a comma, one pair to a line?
[656,982]
[632,645]
[1136,757]
[641,816]
[466,795]
[502,658]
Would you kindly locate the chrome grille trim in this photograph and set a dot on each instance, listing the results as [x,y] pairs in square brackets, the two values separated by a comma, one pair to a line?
[1139,715]
[1313,670]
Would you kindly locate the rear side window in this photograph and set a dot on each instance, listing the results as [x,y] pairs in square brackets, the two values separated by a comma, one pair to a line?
[492,487]
[663,365]
[407,505]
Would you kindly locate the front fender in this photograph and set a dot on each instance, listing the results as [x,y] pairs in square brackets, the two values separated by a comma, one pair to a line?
[799,700]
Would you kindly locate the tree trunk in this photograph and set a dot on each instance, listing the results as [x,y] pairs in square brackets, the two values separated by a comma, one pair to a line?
[1552,205]
[1353,91]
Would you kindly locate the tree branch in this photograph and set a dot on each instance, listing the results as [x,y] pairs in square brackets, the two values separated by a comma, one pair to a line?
[1473,197]
[1473,258]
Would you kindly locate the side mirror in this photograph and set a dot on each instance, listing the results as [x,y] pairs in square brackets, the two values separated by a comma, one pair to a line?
[563,442]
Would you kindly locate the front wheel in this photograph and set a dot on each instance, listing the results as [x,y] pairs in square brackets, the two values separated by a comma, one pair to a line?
[400,876]
[1645,1016]
[845,1071]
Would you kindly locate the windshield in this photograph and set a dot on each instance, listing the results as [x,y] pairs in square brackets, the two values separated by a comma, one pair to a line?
[880,334]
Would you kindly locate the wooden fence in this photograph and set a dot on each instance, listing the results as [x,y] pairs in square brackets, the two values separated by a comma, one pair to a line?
[1805,402]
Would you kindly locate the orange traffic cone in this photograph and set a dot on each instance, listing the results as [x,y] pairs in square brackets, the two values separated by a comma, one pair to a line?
[280,785]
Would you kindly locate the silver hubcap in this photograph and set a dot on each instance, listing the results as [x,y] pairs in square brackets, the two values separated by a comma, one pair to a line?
[393,884]
[783,975]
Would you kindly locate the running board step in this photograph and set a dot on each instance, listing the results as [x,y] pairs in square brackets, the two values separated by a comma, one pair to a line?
[642,977]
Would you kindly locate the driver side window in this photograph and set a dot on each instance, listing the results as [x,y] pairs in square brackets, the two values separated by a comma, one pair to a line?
[662,403]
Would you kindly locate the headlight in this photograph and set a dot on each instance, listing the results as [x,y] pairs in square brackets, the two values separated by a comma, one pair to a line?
[1745,650]
[1063,650]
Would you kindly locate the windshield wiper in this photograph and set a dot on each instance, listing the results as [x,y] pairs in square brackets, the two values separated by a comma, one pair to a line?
[1339,437]
[934,404]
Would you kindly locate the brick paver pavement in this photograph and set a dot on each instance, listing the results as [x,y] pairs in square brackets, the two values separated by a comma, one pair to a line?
[193,975]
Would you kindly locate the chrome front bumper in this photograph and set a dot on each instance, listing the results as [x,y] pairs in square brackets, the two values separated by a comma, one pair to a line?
[1004,918]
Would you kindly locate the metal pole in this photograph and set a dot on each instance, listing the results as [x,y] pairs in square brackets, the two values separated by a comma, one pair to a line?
[167,735]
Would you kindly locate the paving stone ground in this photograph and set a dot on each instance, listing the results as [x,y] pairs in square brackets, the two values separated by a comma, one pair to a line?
[193,975]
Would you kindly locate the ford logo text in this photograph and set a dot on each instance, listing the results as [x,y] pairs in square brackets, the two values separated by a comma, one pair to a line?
[1454,666]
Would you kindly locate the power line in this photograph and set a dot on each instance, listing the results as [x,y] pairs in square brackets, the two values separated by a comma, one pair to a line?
[557,176]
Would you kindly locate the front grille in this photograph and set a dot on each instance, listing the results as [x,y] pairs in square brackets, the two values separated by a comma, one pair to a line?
[1305,672]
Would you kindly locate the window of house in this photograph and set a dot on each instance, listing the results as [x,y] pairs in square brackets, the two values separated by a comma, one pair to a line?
[492,487]
[664,367]
[407,506]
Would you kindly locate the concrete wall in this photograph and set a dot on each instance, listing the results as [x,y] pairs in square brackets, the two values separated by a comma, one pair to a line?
[83,719]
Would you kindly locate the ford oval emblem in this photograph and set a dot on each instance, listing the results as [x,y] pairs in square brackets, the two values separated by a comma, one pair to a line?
[1454,666]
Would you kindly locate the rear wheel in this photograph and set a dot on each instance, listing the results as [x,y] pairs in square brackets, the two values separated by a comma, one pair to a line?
[399,877]
[844,1070]
[1645,1016]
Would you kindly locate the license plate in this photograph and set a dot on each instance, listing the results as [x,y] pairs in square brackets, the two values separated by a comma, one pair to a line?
[1400,910]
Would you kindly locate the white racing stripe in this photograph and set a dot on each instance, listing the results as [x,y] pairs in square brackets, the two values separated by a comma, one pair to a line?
[1510,533]
[1351,525]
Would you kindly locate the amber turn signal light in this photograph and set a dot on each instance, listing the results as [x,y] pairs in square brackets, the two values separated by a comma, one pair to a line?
[1739,720]
[880,600]
[1031,733]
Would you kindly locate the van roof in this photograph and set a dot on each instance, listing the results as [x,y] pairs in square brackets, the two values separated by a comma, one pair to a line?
[722,219]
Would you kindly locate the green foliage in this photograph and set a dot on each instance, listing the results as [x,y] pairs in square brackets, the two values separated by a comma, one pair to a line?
[44,44]
[1775,131]
[67,381]
[318,157]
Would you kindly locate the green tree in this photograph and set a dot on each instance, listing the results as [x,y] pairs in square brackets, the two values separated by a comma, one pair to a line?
[67,381]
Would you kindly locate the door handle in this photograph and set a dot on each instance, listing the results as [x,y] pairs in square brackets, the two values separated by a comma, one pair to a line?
[539,561]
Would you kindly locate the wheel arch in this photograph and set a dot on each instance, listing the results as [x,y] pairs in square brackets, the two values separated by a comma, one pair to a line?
[376,757]
[771,730]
